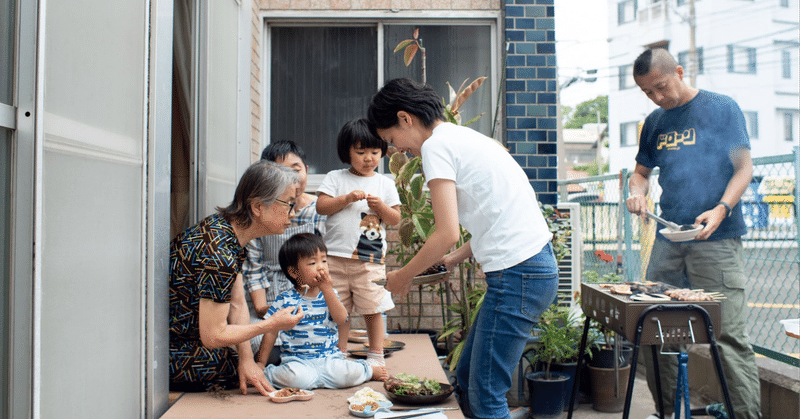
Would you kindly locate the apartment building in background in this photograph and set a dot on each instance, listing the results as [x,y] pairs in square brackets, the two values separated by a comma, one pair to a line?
[745,49]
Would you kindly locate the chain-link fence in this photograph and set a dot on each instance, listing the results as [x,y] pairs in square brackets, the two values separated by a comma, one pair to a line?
[615,242]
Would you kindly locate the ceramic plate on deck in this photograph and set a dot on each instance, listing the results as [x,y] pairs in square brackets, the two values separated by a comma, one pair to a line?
[389,344]
[301,395]
[362,353]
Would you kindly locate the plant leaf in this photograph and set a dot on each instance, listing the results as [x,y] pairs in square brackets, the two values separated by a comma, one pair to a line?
[453,94]
[402,44]
[396,162]
[456,355]
[474,119]
[416,186]
[410,51]
[416,33]
[409,169]
[418,227]
[464,95]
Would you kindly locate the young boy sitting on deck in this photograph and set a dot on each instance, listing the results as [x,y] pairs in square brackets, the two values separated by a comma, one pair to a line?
[312,352]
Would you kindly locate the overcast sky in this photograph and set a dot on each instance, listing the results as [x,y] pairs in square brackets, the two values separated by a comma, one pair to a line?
[581,34]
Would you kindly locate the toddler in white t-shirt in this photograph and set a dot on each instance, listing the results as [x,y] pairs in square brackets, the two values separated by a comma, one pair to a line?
[359,203]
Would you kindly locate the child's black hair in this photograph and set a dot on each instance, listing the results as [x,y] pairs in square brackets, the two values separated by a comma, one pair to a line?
[356,134]
[280,149]
[300,245]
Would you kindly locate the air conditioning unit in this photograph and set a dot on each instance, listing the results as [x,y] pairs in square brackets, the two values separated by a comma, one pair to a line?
[570,268]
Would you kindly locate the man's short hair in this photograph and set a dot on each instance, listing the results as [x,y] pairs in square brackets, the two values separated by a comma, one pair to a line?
[654,57]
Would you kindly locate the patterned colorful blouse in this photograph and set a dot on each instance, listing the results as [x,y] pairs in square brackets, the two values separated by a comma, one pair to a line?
[204,262]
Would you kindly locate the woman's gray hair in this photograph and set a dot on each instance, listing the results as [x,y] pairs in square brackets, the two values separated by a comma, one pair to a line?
[264,181]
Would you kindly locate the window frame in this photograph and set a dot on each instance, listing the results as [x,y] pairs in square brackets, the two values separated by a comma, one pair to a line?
[788,126]
[623,134]
[621,18]
[319,18]
[751,122]
[625,77]
[752,59]
[683,55]
[786,64]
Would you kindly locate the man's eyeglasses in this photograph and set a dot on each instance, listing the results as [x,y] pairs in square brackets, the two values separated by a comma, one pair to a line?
[289,204]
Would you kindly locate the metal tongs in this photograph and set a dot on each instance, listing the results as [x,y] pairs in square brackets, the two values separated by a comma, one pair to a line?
[669,224]
[412,413]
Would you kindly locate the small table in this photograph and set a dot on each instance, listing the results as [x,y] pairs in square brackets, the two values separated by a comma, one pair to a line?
[418,357]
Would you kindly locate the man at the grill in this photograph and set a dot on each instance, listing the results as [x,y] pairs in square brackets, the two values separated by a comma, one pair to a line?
[699,141]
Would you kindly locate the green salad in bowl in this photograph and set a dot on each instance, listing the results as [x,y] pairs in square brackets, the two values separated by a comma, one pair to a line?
[408,388]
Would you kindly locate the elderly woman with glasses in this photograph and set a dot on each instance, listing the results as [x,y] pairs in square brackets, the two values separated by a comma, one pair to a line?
[208,312]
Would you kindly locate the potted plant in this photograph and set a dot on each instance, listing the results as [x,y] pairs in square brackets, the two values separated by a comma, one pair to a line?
[558,338]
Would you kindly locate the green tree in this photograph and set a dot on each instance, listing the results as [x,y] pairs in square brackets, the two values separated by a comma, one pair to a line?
[586,113]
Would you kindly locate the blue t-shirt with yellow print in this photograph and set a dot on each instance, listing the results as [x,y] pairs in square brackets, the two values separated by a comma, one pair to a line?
[692,144]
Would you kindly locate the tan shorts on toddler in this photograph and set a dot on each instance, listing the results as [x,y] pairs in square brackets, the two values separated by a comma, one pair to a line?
[353,280]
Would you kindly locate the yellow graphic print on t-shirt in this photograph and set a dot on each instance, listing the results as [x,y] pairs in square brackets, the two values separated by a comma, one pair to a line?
[673,140]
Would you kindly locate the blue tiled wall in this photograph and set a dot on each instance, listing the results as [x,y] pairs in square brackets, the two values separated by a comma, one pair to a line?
[531,103]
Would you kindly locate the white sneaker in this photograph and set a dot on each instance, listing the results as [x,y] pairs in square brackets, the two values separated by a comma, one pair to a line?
[655,416]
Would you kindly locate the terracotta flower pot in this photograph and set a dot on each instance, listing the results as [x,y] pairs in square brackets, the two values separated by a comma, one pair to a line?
[603,388]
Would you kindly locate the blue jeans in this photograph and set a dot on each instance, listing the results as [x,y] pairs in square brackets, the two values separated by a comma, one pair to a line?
[514,300]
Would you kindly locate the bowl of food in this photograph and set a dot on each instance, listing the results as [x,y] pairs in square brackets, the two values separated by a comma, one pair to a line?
[687,232]
[366,402]
[369,409]
[290,394]
[410,389]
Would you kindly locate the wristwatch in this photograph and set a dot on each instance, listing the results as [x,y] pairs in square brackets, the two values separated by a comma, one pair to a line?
[727,207]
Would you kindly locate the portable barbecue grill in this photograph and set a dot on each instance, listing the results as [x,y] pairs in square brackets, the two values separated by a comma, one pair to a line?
[653,323]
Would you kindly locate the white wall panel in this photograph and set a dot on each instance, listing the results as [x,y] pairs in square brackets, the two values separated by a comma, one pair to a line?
[91,288]
[221,118]
[90,310]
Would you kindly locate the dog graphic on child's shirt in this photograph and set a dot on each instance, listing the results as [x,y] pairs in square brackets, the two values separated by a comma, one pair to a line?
[370,243]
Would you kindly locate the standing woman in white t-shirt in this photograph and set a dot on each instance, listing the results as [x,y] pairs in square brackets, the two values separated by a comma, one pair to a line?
[474,182]
[359,203]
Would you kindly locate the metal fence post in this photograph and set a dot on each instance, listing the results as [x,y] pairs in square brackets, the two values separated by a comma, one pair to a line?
[796,152]
[631,274]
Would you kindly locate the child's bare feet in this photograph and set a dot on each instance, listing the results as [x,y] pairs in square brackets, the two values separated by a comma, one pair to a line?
[379,373]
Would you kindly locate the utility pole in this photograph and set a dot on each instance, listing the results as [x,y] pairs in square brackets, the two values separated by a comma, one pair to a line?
[692,47]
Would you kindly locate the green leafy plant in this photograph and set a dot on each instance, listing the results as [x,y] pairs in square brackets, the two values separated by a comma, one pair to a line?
[559,335]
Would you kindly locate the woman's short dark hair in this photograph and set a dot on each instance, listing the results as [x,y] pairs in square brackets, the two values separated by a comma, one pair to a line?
[300,245]
[397,95]
[264,181]
[356,134]
[280,149]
